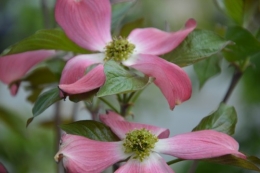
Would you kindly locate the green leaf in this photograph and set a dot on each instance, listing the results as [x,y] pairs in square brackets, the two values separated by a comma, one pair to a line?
[45,100]
[199,44]
[245,44]
[254,159]
[90,129]
[119,11]
[120,80]
[224,120]
[234,9]
[51,39]
[207,69]
[236,161]
[29,121]
[250,92]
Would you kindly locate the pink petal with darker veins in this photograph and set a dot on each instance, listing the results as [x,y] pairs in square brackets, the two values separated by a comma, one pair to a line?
[80,154]
[199,145]
[76,67]
[153,164]
[86,22]
[92,80]
[121,127]
[156,42]
[170,78]
[14,67]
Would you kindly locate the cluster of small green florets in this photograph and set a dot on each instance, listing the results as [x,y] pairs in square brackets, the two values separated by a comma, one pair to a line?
[140,143]
[119,49]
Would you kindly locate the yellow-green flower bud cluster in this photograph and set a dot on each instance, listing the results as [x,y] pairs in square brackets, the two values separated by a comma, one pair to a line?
[119,49]
[140,143]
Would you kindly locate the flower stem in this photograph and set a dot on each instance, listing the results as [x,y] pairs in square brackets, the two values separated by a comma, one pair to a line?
[109,104]
[130,97]
[174,161]
[235,78]
[57,121]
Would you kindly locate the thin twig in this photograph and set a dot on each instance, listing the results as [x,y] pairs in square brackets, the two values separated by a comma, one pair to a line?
[109,104]
[130,97]
[57,121]
[174,161]
[74,111]
[235,78]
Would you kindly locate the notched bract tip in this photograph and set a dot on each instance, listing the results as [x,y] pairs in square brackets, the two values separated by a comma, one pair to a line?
[58,157]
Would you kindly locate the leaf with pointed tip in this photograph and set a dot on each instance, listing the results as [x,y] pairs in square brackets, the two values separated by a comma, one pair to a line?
[224,120]
[207,69]
[254,159]
[29,121]
[236,161]
[120,80]
[45,100]
[49,39]
[245,44]
[199,44]
[90,129]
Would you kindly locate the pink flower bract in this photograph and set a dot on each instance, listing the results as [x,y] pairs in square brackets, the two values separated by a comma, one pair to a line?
[13,67]
[87,23]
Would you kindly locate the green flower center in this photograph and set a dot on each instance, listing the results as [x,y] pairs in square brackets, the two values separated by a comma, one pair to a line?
[119,49]
[140,142]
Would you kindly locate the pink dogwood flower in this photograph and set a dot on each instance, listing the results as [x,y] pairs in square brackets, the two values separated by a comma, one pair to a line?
[14,67]
[139,148]
[87,23]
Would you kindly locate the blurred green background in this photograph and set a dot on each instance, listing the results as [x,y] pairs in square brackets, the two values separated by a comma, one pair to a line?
[31,150]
